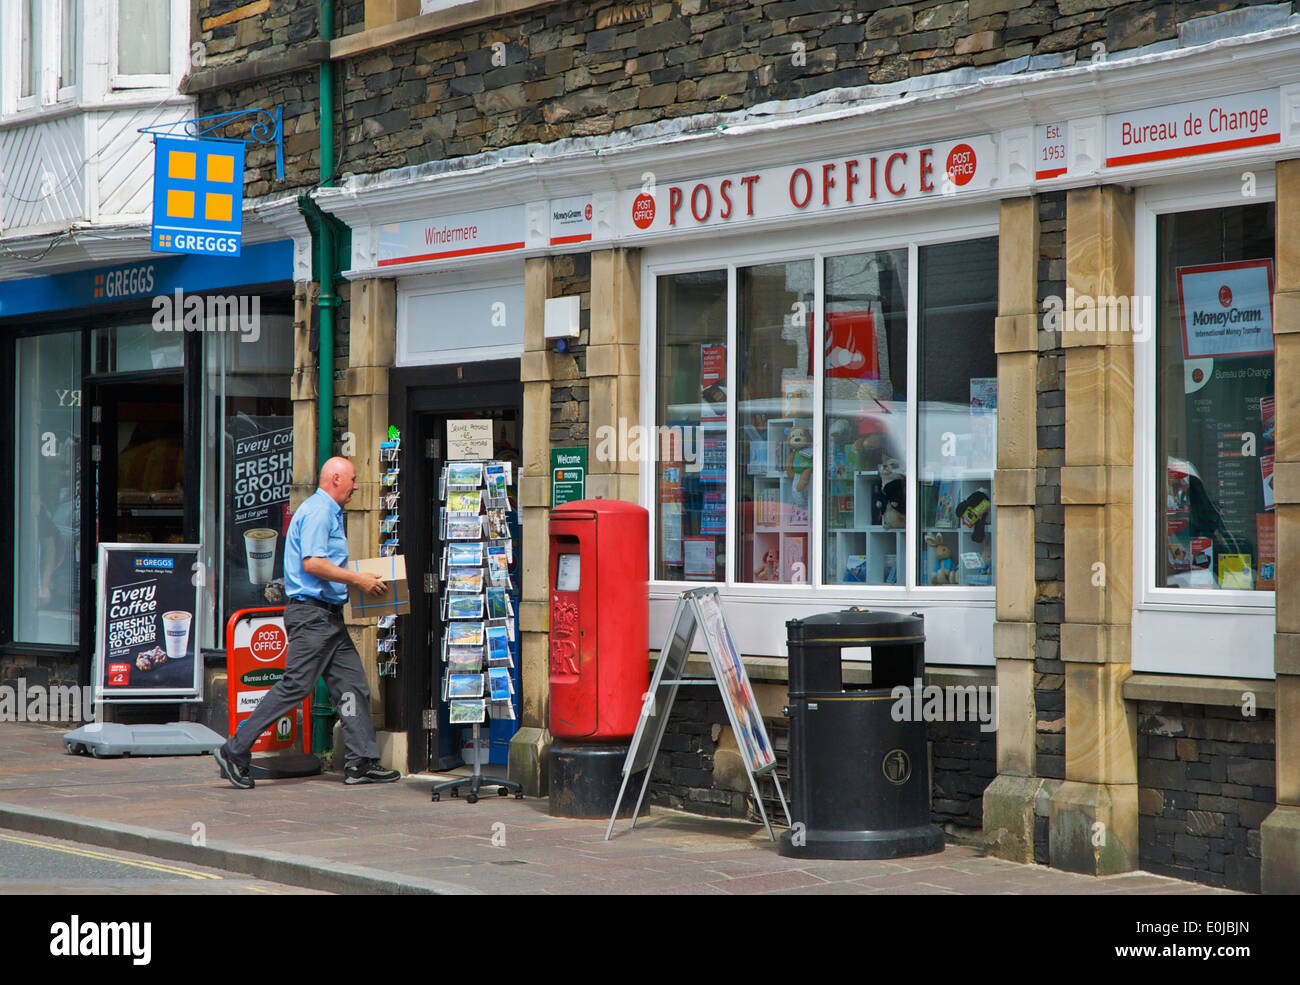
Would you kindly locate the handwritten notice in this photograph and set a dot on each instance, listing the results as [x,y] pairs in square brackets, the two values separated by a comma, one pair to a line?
[468,440]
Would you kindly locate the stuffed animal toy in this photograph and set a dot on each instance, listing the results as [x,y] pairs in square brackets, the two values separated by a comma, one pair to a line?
[974,513]
[893,501]
[800,465]
[769,571]
[945,572]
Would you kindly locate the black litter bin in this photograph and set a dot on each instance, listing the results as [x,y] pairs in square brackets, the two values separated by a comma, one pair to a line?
[860,780]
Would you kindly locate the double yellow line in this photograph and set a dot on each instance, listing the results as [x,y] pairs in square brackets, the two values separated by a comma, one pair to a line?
[165,869]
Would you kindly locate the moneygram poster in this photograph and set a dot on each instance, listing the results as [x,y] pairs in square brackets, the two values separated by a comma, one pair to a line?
[147,637]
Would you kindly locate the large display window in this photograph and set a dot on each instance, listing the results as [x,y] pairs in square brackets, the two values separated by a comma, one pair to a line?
[46,502]
[1214,399]
[1204,555]
[861,430]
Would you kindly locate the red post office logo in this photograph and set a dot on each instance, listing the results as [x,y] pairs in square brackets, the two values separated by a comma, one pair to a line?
[1225,296]
[643,211]
[961,164]
[268,643]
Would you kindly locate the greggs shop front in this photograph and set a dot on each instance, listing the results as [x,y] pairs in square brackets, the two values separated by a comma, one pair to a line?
[149,404]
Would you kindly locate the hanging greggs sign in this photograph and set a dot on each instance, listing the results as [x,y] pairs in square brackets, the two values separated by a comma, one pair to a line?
[852,181]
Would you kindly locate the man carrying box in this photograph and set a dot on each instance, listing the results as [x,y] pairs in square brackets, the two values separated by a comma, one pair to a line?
[315,581]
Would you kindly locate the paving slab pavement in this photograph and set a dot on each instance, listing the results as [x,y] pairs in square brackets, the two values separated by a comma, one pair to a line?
[320,834]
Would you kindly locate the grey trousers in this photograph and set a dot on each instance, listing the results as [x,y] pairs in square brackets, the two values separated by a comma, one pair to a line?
[319,646]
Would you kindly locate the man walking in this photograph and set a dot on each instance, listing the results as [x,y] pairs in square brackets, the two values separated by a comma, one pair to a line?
[315,580]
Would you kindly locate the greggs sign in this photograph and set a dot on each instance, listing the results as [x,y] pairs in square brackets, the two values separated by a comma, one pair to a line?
[933,170]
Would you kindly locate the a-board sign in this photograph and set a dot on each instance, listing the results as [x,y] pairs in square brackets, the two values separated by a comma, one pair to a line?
[257,647]
[148,623]
[700,609]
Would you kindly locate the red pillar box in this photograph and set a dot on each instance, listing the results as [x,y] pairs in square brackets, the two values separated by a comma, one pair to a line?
[256,649]
[599,630]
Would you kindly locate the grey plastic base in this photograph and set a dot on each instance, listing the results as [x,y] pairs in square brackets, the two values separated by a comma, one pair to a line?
[117,739]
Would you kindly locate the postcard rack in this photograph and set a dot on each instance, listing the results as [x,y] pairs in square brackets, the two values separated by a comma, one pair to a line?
[478,612]
[390,517]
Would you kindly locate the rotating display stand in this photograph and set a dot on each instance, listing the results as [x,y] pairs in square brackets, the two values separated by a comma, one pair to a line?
[479,644]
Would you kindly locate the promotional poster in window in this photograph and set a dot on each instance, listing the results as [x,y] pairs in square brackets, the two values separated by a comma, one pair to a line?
[259,464]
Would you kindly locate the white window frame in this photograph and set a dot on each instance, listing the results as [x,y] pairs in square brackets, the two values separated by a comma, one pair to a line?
[961,616]
[179,23]
[21,103]
[68,93]
[1204,632]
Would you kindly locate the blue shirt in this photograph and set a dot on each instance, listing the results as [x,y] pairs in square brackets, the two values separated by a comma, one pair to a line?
[316,530]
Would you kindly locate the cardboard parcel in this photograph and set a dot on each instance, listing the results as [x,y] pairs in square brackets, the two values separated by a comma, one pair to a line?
[395,601]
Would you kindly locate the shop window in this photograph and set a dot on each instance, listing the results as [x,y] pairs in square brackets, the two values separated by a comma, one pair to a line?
[877,494]
[864,388]
[774,416]
[133,348]
[47,521]
[691,442]
[143,50]
[248,463]
[956,412]
[1214,400]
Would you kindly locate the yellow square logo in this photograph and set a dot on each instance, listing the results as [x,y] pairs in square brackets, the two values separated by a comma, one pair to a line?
[221,167]
[180,204]
[181,164]
[217,207]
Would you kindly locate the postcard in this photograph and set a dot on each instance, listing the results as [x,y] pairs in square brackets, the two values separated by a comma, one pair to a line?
[464,528]
[498,572]
[498,604]
[498,643]
[500,684]
[464,659]
[498,526]
[464,501]
[464,474]
[465,634]
[465,686]
[464,579]
[461,554]
[466,712]
[464,606]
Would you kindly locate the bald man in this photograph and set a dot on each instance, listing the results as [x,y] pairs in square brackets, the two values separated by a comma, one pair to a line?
[316,580]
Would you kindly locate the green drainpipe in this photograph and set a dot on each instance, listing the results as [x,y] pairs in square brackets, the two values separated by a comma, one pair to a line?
[322,229]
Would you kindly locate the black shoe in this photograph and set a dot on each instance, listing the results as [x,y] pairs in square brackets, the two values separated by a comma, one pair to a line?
[369,771]
[238,775]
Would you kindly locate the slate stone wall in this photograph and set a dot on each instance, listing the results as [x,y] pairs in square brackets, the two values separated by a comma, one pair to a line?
[587,68]
[1206,781]
[1049,514]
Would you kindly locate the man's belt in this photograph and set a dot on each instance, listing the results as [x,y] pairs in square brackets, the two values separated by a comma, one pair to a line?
[334,607]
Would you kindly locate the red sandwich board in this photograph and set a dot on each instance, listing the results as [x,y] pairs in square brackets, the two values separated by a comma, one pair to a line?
[256,649]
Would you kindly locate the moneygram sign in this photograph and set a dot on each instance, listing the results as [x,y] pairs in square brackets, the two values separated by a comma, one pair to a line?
[851,181]
[198,196]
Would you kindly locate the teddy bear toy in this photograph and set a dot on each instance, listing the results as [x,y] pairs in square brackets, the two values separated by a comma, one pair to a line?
[893,501]
[799,468]
[945,571]
[769,571]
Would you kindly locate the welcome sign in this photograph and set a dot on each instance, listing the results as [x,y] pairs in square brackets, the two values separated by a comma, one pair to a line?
[1226,309]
